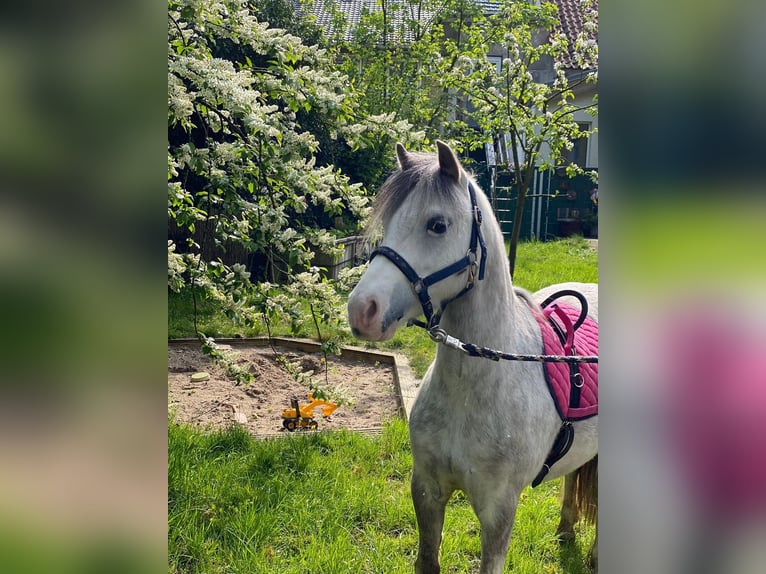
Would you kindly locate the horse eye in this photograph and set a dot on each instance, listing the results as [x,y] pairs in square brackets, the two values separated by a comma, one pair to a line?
[437,225]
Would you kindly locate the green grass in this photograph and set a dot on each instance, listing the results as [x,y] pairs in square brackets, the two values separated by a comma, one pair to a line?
[210,320]
[541,264]
[330,502]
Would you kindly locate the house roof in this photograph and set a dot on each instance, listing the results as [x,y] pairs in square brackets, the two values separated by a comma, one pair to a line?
[489,7]
[571,24]
[353,11]
[570,16]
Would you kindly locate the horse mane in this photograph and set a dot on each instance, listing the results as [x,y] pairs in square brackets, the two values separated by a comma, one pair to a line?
[527,297]
[421,168]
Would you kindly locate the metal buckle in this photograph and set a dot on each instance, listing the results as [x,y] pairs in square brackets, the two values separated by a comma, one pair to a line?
[437,334]
[471,273]
[477,215]
[577,377]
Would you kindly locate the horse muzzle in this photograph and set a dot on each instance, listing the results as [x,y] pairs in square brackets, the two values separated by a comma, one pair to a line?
[371,319]
[375,313]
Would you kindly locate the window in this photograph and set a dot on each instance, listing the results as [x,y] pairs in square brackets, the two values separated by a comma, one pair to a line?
[505,149]
[579,152]
[497,61]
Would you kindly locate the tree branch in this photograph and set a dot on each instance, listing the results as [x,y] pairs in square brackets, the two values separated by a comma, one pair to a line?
[567,88]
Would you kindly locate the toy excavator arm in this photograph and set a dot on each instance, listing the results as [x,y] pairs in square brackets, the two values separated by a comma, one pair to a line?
[327,407]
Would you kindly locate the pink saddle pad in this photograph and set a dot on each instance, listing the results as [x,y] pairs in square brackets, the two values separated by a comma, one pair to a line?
[557,375]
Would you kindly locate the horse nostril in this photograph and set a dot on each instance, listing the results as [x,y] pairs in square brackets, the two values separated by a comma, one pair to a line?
[372,311]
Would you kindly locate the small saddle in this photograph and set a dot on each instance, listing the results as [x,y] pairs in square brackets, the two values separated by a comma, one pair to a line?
[573,386]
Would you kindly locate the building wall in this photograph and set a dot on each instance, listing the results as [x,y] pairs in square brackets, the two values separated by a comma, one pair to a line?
[583,99]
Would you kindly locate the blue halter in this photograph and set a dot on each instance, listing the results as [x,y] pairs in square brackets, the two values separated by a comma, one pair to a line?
[421,284]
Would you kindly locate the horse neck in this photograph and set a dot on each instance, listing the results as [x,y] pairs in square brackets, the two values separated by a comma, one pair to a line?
[486,314]
[491,314]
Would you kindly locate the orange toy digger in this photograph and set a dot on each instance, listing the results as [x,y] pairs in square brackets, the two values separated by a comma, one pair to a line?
[302,416]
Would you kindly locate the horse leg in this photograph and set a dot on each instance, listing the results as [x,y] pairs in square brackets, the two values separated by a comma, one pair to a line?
[580,500]
[587,501]
[430,502]
[569,515]
[495,539]
[496,516]
[593,557]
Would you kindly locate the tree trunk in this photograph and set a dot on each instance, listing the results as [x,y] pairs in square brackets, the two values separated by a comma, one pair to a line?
[524,179]
[523,188]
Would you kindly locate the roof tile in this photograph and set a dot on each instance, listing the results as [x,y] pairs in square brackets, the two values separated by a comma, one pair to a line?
[571,24]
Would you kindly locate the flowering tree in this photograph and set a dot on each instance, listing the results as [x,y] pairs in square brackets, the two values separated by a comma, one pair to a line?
[433,63]
[536,113]
[243,173]
[398,54]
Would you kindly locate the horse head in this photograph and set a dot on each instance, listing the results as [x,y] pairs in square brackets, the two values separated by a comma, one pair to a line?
[429,254]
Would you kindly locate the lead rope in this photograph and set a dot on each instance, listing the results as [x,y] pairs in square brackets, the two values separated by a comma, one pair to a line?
[439,335]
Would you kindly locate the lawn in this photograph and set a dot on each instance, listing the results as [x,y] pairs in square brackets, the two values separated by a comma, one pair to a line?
[330,502]
[339,502]
[541,264]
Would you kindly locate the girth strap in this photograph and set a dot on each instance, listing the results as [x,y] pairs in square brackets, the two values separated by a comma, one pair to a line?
[561,446]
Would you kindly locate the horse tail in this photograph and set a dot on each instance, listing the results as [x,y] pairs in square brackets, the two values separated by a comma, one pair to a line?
[586,490]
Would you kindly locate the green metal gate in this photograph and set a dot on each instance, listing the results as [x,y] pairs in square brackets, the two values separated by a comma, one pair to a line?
[556,206]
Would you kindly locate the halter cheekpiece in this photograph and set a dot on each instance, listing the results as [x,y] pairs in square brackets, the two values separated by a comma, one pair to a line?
[421,284]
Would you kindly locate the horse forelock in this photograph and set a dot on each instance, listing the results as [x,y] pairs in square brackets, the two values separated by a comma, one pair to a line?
[422,173]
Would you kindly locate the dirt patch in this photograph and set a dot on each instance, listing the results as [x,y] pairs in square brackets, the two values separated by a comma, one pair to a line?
[217,401]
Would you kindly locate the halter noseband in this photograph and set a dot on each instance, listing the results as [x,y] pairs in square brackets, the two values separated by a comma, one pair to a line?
[421,284]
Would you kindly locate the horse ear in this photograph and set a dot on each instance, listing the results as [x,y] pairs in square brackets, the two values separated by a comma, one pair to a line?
[405,160]
[448,163]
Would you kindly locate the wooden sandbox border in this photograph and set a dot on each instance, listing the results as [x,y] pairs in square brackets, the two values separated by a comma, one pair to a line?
[310,346]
